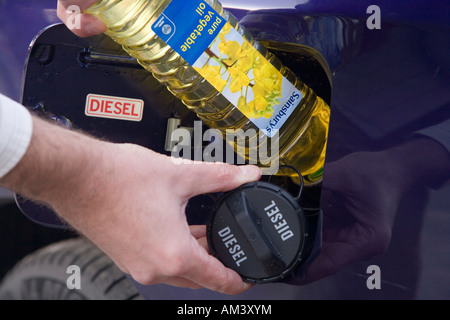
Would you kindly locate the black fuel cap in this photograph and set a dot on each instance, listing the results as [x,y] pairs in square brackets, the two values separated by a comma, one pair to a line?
[259,231]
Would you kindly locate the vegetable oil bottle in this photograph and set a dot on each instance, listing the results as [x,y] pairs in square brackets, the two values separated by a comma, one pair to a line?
[210,62]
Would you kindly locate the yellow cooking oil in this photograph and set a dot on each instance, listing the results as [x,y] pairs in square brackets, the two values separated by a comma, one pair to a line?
[215,67]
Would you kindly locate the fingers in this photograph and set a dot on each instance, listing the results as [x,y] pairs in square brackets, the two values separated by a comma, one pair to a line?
[191,266]
[201,178]
[198,231]
[210,273]
[200,278]
[198,269]
[203,269]
[83,4]
[83,25]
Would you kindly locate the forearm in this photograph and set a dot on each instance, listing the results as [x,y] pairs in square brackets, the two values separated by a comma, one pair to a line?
[57,163]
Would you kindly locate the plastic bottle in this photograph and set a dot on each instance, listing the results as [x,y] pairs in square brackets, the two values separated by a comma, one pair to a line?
[145,29]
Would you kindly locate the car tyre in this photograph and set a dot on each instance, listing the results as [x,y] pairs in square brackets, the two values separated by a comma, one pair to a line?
[47,275]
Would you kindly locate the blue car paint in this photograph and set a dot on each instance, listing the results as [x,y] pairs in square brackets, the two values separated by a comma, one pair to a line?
[387,85]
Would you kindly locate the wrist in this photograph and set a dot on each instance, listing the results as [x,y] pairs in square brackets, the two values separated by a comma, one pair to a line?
[58,164]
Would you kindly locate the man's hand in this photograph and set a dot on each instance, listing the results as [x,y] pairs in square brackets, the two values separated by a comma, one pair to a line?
[88,26]
[130,201]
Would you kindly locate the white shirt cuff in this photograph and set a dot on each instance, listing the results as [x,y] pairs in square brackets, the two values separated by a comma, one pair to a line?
[16,127]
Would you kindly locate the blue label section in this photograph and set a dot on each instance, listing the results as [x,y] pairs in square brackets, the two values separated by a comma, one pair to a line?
[188,27]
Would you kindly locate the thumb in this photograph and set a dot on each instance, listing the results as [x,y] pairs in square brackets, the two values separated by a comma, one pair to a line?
[209,177]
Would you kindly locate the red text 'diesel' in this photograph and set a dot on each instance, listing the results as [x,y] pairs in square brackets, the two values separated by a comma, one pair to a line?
[114,107]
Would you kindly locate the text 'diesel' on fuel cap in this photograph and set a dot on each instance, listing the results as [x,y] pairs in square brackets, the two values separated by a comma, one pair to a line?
[259,231]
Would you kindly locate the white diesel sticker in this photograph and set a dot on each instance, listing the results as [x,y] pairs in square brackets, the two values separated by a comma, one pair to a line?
[114,107]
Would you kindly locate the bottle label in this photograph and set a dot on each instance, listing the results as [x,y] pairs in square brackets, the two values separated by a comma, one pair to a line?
[228,62]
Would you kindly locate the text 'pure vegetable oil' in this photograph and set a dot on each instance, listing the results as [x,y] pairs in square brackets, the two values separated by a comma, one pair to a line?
[206,59]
